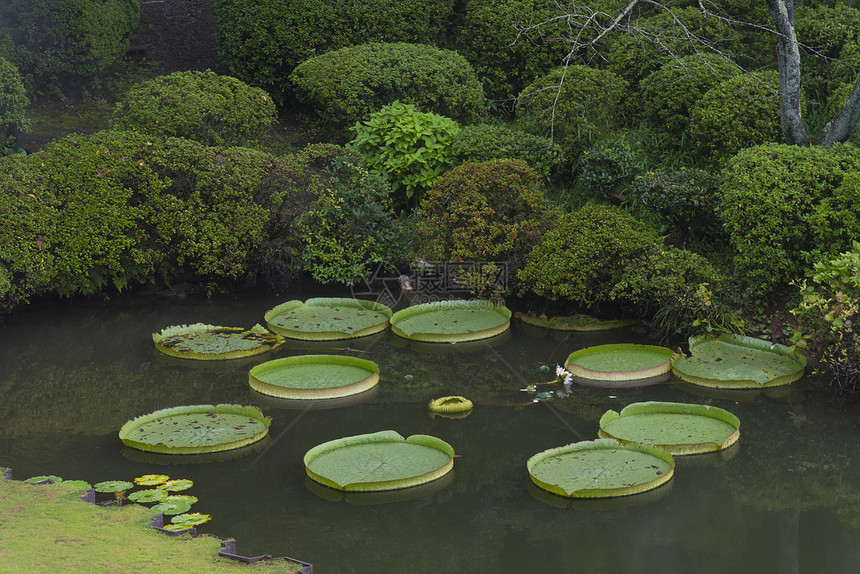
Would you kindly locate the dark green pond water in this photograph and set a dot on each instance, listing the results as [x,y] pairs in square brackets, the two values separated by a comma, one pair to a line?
[787,501]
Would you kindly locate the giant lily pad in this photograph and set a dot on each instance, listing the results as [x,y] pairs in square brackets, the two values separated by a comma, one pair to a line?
[600,469]
[379,461]
[208,342]
[314,377]
[619,365]
[451,321]
[678,428]
[735,362]
[574,322]
[196,429]
[327,319]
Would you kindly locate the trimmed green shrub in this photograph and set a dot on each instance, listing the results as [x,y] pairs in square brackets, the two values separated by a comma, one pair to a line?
[53,42]
[488,211]
[202,106]
[86,215]
[13,101]
[349,227]
[262,41]
[609,166]
[668,94]
[828,314]
[686,199]
[408,147]
[344,86]
[785,207]
[589,104]
[829,30]
[484,142]
[505,61]
[738,113]
[599,254]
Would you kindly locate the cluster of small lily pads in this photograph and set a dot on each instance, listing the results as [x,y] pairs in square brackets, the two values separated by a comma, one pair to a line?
[160,496]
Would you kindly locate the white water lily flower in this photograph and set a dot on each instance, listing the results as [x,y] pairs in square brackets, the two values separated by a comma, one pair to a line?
[559,371]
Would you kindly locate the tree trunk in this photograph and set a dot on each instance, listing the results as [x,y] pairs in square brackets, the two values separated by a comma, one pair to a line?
[788,60]
[844,123]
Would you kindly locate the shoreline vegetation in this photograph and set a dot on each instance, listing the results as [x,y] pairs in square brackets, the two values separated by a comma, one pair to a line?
[48,528]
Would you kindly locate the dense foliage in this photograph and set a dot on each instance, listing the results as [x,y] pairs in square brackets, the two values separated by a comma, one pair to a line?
[344,86]
[599,254]
[202,106]
[13,101]
[409,147]
[589,103]
[785,207]
[262,41]
[829,310]
[737,113]
[55,42]
[482,142]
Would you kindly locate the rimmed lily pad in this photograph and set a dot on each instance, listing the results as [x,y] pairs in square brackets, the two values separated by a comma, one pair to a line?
[450,404]
[379,461]
[112,486]
[620,365]
[151,479]
[196,429]
[576,322]
[209,342]
[600,469]
[316,404]
[328,319]
[601,504]
[736,362]
[314,377]
[678,428]
[148,495]
[220,456]
[172,507]
[382,496]
[190,519]
[450,321]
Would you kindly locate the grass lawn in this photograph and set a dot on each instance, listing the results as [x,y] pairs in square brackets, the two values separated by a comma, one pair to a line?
[46,528]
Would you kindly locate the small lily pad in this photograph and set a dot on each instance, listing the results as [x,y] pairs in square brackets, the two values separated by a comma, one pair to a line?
[735,362]
[209,342]
[177,527]
[43,478]
[451,321]
[313,377]
[177,485]
[148,495]
[192,519]
[196,429]
[151,479]
[678,428]
[78,484]
[620,365]
[328,319]
[450,404]
[113,486]
[171,507]
[601,468]
[379,461]
[181,497]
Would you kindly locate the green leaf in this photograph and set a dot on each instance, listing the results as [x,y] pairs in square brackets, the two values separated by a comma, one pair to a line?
[314,376]
[324,318]
[454,320]
[619,362]
[192,519]
[148,495]
[379,461]
[171,507]
[44,477]
[113,486]
[208,342]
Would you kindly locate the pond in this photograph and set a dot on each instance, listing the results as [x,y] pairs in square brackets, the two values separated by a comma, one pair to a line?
[787,501]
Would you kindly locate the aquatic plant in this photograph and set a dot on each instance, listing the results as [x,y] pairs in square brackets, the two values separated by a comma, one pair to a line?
[451,321]
[326,318]
[208,342]
[624,364]
[314,377]
[450,404]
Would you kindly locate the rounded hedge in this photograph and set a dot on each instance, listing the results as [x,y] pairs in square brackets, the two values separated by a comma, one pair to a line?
[786,207]
[484,142]
[202,106]
[668,94]
[345,85]
[58,41]
[487,211]
[737,113]
[505,61]
[262,41]
[590,103]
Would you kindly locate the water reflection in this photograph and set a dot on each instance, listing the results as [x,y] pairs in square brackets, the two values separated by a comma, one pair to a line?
[788,501]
